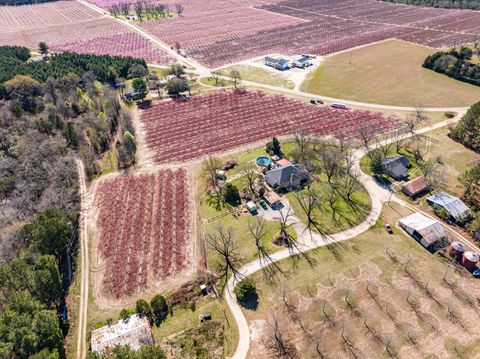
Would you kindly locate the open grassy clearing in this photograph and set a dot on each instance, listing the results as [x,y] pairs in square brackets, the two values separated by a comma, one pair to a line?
[257,74]
[331,297]
[332,221]
[389,73]
[209,81]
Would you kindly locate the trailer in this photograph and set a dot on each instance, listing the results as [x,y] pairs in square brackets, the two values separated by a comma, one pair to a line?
[338,105]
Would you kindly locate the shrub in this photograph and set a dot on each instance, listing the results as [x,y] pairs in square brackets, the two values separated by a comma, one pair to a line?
[231,195]
[159,307]
[142,307]
[124,314]
[245,290]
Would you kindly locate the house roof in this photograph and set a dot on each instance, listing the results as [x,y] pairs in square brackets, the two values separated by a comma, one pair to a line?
[280,61]
[396,166]
[430,229]
[282,176]
[135,332]
[415,186]
[303,59]
[397,159]
[283,162]
[453,205]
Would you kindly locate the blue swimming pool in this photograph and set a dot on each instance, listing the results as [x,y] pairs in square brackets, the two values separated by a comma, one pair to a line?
[263,161]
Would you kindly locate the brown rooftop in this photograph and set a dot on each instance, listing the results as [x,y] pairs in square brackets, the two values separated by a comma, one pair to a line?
[415,186]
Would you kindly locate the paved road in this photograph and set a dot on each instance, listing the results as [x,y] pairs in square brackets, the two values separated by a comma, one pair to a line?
[81,351]
[379,195]
[373,106]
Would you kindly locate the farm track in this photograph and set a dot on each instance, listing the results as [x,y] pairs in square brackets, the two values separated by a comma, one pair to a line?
[81,352]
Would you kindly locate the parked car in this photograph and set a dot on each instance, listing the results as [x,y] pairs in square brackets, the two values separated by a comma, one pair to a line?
[263,204]
[388,228]
[320,102]
[313,102]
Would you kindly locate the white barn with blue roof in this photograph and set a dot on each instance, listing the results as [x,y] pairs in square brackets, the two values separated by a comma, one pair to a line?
[279,64]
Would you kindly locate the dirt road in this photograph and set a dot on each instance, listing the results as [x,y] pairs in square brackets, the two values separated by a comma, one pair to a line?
[81,351]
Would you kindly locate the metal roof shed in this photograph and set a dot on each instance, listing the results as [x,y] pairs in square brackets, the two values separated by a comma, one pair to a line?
[451,204]
[415,187]
[424,230]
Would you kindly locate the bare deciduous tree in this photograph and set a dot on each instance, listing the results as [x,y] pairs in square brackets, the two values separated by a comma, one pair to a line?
[434,173]
[125,9]
[222,243]
[270,268]
[277,341]
[236,76]
[179,8]
[210,167]
[250,175]
[303,141]
[367,134]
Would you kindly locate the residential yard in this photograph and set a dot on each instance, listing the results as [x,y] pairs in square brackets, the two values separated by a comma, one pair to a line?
[257,74]
[454,157]
[389,73]
[375,296]
[341,217]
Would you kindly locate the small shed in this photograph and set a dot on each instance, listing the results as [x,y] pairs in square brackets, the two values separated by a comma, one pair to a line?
[135,331]
[396,167]
[205,316]
[279,64]
[415,187]
[424,230]
[452,205]
[221,175]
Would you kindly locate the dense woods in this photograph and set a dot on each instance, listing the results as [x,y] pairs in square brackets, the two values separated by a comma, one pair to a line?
[467,131]
[50,113]
[456,64]
[447,4]
[13,61]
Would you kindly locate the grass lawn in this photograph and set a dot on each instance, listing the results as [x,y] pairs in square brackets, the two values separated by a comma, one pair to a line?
[243,239]
[345,216]
[456,158]
[208,81]
[389,73]
[257,74]
[375,259]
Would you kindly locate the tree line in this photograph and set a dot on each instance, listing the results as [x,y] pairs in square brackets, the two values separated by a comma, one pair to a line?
[145,9]
[23,2]
[13,61]
[456,64]
[47,118]
[447,4]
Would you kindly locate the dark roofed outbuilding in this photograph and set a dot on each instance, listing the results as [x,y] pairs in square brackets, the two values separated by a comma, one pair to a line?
[396,167]
[415,187]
